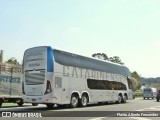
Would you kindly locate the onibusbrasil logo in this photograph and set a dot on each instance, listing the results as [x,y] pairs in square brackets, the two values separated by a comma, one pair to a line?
[23,114]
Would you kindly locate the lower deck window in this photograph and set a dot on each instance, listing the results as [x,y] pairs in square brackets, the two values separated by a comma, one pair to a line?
[105,85]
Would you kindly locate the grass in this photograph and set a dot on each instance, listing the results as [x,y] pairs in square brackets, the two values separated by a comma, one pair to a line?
[9,104]
[12,104]
[138,94]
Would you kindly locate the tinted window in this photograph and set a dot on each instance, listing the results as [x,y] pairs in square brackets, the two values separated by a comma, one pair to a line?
[105,85]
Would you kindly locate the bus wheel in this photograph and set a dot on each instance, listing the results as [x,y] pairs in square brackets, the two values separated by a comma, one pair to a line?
[34,104]
[74,101]
[124,99]
[20,102]
[119,99]
[50,105]
[1,101]
[83,101]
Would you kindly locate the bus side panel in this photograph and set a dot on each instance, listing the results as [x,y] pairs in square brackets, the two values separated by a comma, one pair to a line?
[4,85]
[10,84]
[16,85]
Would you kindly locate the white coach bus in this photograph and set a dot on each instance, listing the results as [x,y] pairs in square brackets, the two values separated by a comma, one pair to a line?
[53,76]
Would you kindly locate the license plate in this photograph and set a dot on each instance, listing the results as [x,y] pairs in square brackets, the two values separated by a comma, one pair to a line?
[33,99]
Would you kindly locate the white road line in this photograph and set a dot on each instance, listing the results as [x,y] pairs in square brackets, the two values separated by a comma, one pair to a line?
[99,118]
[148,108]
[139,118]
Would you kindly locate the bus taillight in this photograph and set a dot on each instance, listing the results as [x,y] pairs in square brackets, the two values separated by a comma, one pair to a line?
[48,87]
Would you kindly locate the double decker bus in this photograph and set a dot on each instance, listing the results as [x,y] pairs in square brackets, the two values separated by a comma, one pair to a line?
[53,76]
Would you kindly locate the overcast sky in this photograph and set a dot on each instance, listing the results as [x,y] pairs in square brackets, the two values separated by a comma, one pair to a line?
[129,29]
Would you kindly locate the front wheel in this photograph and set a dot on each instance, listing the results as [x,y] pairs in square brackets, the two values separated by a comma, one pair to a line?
[74,101]
[83,101]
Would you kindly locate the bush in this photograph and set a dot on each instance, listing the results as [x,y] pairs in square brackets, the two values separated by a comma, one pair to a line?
[138,93]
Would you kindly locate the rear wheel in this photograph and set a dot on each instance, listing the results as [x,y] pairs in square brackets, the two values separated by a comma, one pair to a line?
[34,104]
[84,101]
[119,99]
[20,102]
[157,100]
[74,101]
[50,105]
[1,101]
[124,99]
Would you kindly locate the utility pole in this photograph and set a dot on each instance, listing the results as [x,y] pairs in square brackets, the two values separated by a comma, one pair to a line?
[1,56]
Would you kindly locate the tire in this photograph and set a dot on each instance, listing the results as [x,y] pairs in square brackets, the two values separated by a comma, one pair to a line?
[157,100]
[74,101]
[83,101]
[1,101]
[144,98]
[50,105]
[34,104]
[20,103]
[124,99]
[119,99]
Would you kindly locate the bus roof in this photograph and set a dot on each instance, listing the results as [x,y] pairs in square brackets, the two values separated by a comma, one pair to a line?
[70,59]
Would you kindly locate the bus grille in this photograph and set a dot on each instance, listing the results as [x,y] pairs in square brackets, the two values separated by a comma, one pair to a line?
[34,78]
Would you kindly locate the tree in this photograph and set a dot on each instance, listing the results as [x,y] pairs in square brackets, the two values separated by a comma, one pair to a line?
[102,56]
[12,61]
[116,59]
[136,85]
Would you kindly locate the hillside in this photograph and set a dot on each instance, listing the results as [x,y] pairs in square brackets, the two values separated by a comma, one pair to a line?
[154,82]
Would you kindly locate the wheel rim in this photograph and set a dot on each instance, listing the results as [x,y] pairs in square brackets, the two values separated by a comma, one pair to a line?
[124,99]
[74,101]
[84,101]
[119,99]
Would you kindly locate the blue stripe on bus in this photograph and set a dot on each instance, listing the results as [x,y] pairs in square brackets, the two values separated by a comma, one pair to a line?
[49,59]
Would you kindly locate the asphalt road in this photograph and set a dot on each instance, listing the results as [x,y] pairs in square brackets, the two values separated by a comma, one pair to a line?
[137,109]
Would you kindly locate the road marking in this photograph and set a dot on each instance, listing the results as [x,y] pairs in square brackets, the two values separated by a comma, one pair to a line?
[139,118]
[89,108]
[148,108]
[99,118]
[142,118]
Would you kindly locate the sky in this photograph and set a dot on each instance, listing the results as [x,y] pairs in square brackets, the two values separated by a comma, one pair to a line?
[129,29]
